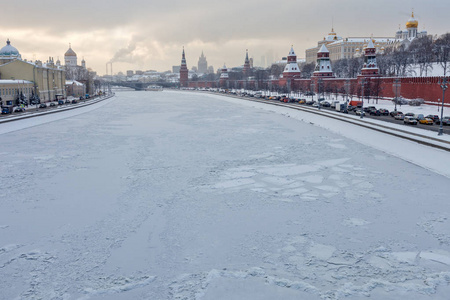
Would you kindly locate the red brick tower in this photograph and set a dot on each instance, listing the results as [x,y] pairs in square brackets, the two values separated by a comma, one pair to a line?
[323,65]
[370,67]
[223,81]
[183,72]
[246,69]
[291,70]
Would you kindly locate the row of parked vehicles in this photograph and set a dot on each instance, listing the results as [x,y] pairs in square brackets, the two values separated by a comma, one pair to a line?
[414,119]
[408,118]
[22,108]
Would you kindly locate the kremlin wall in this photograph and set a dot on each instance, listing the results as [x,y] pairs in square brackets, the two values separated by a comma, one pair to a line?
[369,83]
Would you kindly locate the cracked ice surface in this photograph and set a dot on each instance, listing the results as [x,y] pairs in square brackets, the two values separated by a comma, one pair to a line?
[186,196]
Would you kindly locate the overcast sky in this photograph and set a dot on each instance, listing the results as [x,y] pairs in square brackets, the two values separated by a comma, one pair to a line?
[150,34]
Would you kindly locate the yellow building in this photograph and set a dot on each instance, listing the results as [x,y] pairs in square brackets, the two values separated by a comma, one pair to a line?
[11,91]
[48,79]
[341,48]
[350,47]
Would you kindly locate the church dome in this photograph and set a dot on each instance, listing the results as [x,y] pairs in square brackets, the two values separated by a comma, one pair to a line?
[9,50]
[332,36]
[70,52]
[412,22]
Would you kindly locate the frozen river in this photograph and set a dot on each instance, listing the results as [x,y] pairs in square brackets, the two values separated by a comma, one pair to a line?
[170,195]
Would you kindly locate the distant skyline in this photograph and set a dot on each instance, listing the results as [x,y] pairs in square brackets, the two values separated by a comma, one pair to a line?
[145,35]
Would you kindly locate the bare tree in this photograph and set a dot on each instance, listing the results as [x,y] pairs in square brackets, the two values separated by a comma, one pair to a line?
[341,68]
[422,54]
[307,70]
[354,67]
[441,50]
[375,88]
[276,70]
[402,60]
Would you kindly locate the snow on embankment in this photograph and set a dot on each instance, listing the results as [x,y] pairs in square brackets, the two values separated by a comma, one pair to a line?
[44,118]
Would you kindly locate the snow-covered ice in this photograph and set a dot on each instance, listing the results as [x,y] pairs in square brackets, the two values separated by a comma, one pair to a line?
[179,195]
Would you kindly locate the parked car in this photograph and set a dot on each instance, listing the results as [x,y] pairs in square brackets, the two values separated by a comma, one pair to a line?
[74,101]
[394,113]
[302,101]
[423,120]
[60,102]
[19,109]
[435,118]
[351,108]
[6,110]
[446,121]
[409,120]
[375,112]
[42,105]
[52,104]
[399,117]
[384,111]
[67,101]
[310,102]
[409,115]
[325,104]
[359,112]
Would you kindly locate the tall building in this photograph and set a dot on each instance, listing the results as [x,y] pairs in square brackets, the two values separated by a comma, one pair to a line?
[263,62]
[184,72]
[202,64]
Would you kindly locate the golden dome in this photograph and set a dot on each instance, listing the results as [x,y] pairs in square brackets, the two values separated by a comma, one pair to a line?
[70,52]
[412,23]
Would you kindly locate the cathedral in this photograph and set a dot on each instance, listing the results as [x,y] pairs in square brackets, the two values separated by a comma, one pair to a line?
[76,73]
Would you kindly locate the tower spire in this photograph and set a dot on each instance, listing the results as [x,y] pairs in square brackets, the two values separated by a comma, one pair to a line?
[183,71]
[246,69]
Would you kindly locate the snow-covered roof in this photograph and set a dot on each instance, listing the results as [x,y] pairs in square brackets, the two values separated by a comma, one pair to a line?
[14,81]
[74,82]
[323,49]
[358,40]
[292,53]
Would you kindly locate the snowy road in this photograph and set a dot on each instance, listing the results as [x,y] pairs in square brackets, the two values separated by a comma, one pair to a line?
[187,196]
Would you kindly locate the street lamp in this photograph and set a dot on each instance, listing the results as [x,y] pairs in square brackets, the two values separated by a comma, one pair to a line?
[444,86]
[347,88]
[318,93]
[363,81]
